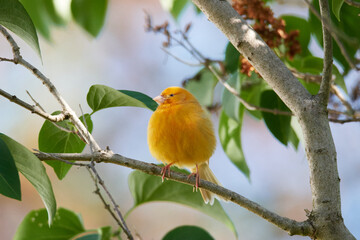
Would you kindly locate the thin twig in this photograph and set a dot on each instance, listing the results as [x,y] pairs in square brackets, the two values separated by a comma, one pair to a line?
[206,63]
[97,192]
[122,222]
[67,112]
[55,124]
[181,60]
[330,26]
[292,226]
[36,103]
[2,59]
[185,37]
[54,156]
[328,54]
[335,34]
[33,109]
[336,112]
[335,90]
[353,3]
[342,121]
[247,105]
[65,106]
[307,77]
[91,166]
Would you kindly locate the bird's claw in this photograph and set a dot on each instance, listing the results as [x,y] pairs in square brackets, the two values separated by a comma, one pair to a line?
[197,180]
[163,171]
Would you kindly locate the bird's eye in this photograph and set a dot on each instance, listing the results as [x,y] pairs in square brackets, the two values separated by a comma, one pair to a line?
[171,95]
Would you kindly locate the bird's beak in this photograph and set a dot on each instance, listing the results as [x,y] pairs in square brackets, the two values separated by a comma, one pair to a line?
[159,99]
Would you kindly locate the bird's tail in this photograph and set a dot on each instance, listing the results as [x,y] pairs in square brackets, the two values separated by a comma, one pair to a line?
[205,173]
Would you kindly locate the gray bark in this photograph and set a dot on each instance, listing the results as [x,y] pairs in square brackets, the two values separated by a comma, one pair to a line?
[309,110]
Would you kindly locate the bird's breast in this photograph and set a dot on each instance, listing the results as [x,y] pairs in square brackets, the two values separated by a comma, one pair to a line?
[183,135]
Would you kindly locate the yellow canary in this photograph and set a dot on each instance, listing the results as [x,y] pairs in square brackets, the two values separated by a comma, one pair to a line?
[181,133]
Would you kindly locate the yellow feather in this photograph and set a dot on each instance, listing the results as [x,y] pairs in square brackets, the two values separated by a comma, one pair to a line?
[180,132]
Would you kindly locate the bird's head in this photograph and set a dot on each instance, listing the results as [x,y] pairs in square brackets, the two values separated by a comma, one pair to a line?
[174,95]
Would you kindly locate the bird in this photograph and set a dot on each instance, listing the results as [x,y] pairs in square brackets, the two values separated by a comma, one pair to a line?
[180,133]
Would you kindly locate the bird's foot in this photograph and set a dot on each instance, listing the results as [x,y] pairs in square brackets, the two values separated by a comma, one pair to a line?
[197,178]
[165,169]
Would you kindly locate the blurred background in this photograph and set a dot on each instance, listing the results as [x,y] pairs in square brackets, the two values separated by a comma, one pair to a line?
[124,56]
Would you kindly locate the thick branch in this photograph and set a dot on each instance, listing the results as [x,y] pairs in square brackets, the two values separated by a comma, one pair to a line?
[291,226]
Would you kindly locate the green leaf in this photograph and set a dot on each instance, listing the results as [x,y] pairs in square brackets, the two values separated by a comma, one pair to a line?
[297,23]
[296,128]
[232,56]
[9,176]
[90,15]
[34,171]
[313,88]
[230,138]
[91,236]
[66,225]
[231,104]
[314,65]
[101,96]
[251,89]
[146,188]
[348,26]
[339,79]
[279,125]
[336,7]
[293,138]
[105,233]
[14,17]
[43,14]
[54,140]
[188,232]
[197,10]
[202,86]
[175,7]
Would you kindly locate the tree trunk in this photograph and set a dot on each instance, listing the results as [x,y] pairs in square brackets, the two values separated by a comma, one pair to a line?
[310,111]
[324,178]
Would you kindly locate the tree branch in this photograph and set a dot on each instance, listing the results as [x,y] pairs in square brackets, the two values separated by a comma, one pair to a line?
[106,205]
[33,109]
[342,121]
[291,226]
[17,59]
[328,55]
[312,116]
[336,34]
[99,180]
[256,51]
[335,90]
[307,77]
[353,3]
[207,63]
